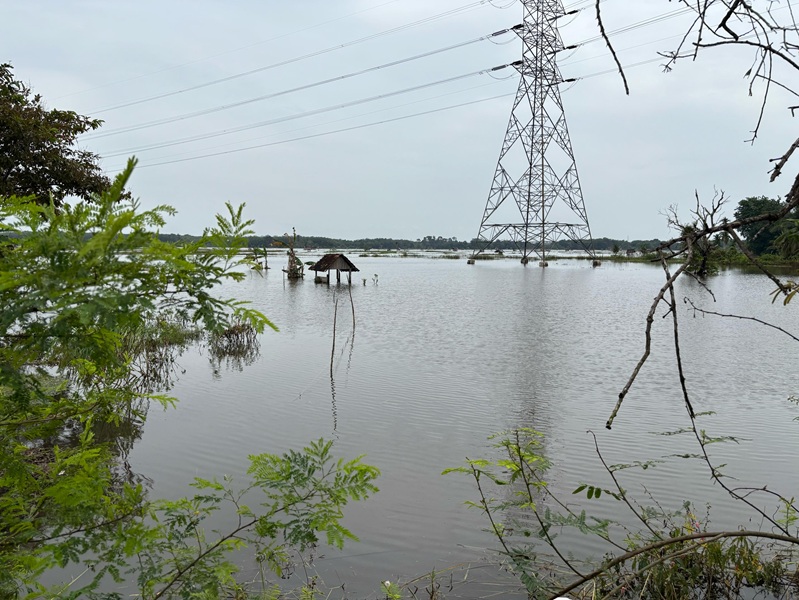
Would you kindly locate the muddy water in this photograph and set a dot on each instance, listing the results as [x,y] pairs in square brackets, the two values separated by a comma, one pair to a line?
[444,354]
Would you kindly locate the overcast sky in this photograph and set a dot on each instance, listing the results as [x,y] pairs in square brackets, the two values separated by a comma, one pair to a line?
[424,175]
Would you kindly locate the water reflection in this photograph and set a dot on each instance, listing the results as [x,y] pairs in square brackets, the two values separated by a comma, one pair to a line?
[234,348]
[448,355]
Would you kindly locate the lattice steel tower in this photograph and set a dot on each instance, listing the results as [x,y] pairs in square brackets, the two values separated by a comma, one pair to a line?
[536,172]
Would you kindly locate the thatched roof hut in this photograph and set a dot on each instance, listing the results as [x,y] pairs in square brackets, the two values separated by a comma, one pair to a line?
[334,262]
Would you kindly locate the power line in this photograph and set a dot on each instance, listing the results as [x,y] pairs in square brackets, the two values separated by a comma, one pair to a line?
[331,122]
[435,17]
[625,29]
[366,125]
[198,60]
[307,113]
[168,120]
[203,112]
[644,23]
[296,59]
[350,118]
[215,109]
[323,110]
[316,135]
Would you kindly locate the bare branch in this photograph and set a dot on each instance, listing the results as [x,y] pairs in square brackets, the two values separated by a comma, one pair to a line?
[777,171]
[754,319]
[648,343]
[742,247]
[622,493]
[730,12]
[677,352]
[610,47]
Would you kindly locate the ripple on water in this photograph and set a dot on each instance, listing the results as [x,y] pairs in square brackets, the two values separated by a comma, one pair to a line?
[444,354]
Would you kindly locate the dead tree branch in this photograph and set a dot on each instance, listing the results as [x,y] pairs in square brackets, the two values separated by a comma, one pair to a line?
[650,318]
[777,171]
[741,317]
[610,47]
[677,352]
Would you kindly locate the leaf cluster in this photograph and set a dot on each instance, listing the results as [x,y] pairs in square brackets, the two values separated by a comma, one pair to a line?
[93,308]
[38,153]
[299,495]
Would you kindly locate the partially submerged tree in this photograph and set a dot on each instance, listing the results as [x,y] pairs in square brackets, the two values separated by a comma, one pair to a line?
[39,155]
[91,302]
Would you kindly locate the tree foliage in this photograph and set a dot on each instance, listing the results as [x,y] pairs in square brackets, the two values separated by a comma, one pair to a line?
[759,235]
[38,152]
[92,304]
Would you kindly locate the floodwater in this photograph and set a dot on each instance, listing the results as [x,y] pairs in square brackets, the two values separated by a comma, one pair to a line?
[445,354]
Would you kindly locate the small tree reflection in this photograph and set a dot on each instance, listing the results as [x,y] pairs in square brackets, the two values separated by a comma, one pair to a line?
[236,347]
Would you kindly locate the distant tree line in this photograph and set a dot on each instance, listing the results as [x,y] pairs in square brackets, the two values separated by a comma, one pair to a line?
[429,242]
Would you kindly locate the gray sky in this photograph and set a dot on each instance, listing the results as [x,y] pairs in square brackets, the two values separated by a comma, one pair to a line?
[427,175]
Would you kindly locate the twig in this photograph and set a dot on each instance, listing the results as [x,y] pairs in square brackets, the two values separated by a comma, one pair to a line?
[527,486]
[677,335]
[783,288]
[333,351]
[723,24]
[662,559]
[610,47]
[622,493]
[648,343]
[764,489]
[352,304]
[180,572]
[696,278]
[777,171]
[484,502]
[756,320]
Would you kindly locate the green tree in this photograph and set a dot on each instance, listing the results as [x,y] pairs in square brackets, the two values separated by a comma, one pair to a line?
[788,241]
[91,301]
[38,156]
[759,235]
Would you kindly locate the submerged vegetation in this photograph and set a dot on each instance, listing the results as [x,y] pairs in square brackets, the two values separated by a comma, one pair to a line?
[95,310]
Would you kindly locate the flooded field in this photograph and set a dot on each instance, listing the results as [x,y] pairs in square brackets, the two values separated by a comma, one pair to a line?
[442,355]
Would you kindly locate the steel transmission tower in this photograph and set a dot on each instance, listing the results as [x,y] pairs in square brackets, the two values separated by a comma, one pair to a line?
[536,172]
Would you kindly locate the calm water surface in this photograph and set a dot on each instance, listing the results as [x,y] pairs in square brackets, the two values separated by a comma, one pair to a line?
[445,354]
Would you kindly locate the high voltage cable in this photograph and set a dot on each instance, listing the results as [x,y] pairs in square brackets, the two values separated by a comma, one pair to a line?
[309,113]
[366,125]
[167,120]
[316,135]
[350,118]
[292,117]
[435,17]
[296,59]
[343,77]
[191,62]
[317,111]
[197,157]
[645,23]
[292,90]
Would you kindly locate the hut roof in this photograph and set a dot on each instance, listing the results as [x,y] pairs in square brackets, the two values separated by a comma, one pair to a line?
[334,262]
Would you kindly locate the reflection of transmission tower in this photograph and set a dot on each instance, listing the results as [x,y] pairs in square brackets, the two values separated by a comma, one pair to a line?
[536,168]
